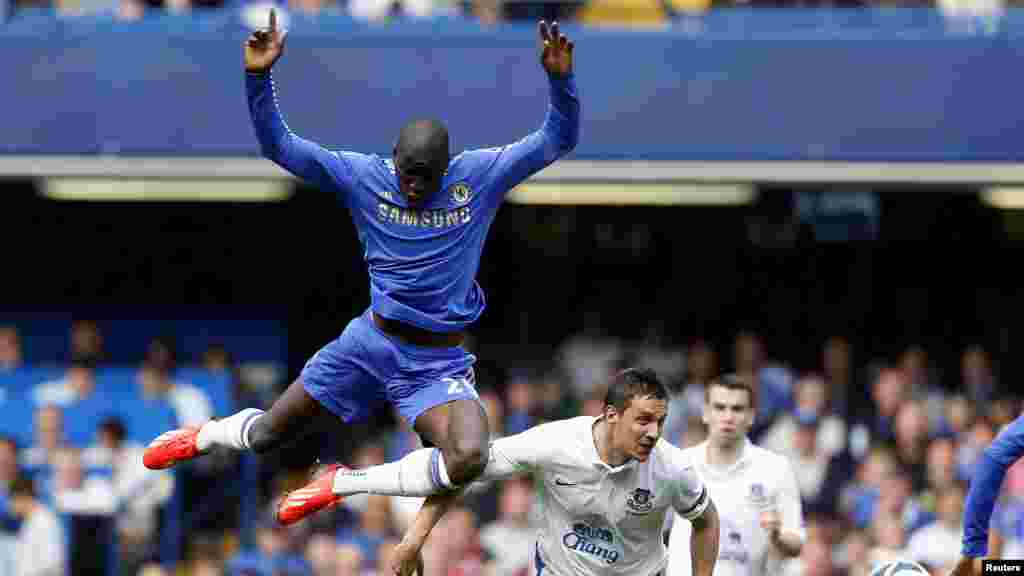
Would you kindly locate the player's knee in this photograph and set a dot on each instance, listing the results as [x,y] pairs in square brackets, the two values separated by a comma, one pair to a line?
[467,461]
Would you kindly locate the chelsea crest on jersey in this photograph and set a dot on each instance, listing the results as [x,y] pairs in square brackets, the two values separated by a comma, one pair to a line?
[456,211]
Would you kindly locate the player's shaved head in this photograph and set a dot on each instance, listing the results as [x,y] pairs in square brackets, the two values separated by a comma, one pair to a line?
[428,136]
[421,157]
[423,141]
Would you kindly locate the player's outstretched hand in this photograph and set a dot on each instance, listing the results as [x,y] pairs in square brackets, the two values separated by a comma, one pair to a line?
[406,559]
[264,47]
[556,53]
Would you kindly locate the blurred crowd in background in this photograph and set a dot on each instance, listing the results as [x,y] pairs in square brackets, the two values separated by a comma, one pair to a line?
[883,449]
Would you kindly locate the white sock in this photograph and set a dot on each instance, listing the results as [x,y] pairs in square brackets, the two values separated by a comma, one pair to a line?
[419,473]
[231,432]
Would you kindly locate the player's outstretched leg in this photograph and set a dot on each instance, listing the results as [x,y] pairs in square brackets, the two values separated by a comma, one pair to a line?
[458,427]
[250,429]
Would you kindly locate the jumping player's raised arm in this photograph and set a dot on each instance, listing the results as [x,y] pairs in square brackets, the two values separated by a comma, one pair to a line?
[303,158]
[509,165]
[986,481]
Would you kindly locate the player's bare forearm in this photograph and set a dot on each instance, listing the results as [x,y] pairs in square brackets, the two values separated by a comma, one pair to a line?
[406,558]
[704,542]
[433,509]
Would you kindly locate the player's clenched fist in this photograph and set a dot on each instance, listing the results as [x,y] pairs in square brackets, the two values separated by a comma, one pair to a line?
[264,47]
[556,52]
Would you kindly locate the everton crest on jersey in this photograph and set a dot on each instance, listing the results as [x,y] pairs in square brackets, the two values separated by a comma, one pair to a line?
[640,501]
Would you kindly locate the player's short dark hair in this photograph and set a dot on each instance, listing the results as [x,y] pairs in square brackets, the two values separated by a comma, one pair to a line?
[633,383]
[430,135]
[732,382]
[23,486]
[115,427]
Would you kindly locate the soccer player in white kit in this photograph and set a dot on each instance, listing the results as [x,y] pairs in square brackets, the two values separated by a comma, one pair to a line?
[759,507]
[604,488]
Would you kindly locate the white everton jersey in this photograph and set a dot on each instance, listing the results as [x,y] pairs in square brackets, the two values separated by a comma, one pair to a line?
[759,480]
[595,519]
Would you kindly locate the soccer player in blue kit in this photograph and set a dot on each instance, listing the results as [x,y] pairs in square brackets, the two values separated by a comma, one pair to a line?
[422,218]
[986,482]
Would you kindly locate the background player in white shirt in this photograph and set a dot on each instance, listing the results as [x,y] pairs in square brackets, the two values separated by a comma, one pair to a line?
[759,508]
[605,486]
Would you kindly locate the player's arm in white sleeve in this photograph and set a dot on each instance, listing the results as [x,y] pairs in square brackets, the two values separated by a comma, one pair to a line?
[509,456]
[789,536]
[693,502]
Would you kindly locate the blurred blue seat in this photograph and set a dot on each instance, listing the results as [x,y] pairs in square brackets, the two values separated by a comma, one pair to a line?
[217,386]
[82,418]
[16,406]
[145,418]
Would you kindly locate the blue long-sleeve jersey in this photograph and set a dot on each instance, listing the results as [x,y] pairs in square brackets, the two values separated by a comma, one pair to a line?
[986,482]
[422,260]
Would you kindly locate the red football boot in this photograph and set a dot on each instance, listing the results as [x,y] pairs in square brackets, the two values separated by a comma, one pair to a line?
[313,497]
[172,447]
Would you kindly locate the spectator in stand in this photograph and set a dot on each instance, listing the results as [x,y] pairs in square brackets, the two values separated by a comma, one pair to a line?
[844,392]
[349,561]
[138,490]
[217,359]
[75,393]
[888,392]
[49,437]
[374,528]
[811,400]
[556,402]
[73,491]
[78,382]
[521,404]
[889,537]
[322,554]
[936,546]
[8,522]
[192,406]
[87,341]
[941,470]
[10,349]
[40,547]
[273,555]
[687,403]
[911,441]
[772,382]
[820,476]
[510,538]
[977,380]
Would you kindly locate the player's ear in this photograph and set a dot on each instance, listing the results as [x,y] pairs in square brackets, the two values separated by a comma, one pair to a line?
[611,414]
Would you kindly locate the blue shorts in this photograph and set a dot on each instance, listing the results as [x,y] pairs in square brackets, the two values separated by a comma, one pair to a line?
[365,368]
